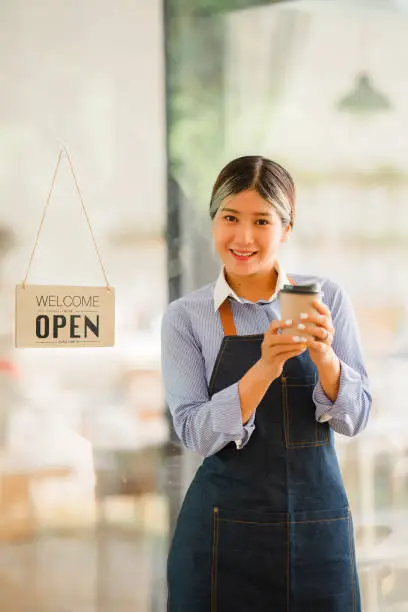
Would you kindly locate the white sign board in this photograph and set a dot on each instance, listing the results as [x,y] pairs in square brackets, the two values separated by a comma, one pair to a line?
[61,316]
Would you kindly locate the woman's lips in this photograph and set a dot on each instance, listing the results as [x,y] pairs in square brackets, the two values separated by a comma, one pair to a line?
[243,255]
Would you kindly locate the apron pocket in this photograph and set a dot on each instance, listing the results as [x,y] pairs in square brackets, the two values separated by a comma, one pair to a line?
[300,425]
[250,561]
[324,577]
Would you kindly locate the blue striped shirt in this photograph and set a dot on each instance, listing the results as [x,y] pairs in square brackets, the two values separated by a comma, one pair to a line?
[191,338]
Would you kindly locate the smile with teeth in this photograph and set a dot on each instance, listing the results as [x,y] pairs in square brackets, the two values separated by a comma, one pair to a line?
[243,254]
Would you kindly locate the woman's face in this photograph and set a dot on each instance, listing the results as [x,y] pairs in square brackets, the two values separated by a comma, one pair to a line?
[247,233]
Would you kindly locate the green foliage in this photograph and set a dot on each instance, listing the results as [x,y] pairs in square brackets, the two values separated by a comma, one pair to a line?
[195,31]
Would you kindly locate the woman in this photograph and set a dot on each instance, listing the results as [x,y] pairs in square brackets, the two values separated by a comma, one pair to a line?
[265,525]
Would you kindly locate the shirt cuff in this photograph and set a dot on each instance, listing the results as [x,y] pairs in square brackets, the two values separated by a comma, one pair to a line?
[349,386]
[248,429]
[227,416]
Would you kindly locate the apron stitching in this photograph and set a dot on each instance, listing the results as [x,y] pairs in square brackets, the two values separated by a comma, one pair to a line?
[352,561]
[326,439]
[338,518]
[288,585]
[304,444]
[214,561]
[285,412]
[293,385]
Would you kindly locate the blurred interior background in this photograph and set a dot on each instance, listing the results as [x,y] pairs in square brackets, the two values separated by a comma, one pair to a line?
[152,98]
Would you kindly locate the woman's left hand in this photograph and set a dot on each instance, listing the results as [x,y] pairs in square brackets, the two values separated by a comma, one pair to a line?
[320,326]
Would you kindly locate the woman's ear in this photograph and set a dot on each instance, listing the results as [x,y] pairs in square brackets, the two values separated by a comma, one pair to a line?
[286,233]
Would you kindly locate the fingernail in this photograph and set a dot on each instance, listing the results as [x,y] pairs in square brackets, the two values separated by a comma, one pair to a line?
[303,339]
[297,339]
[301,326]
[304,315]
[288,322]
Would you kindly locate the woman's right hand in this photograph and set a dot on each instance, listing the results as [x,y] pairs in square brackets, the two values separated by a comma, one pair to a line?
[278,348]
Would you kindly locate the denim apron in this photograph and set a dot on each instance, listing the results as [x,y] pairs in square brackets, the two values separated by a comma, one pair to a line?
[266,528]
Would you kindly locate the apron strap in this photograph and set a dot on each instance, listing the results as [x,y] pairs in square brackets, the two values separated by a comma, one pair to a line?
[227,319]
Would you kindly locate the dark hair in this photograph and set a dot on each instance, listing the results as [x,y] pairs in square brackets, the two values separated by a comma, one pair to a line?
[270,180]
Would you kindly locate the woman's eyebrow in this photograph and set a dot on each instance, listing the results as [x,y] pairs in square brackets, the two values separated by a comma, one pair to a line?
[255,214]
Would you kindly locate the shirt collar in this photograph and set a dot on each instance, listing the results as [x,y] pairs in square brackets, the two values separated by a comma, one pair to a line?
[222,290]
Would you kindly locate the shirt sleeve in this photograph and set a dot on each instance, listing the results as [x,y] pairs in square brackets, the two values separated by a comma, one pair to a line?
[203,425]
[348,414]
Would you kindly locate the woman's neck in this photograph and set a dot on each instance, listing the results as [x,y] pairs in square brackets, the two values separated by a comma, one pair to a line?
[253,288]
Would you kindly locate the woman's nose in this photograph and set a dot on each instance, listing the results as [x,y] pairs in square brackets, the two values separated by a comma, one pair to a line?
[245,234]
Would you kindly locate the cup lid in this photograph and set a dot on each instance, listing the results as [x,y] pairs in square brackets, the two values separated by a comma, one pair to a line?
[303,289]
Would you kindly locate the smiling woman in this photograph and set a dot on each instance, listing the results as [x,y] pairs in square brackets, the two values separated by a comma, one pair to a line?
[265,523]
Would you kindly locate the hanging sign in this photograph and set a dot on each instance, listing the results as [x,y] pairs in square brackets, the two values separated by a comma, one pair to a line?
[63,316]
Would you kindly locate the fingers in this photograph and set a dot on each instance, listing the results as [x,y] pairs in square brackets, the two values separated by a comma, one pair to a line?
[318,345]
[287,341]
[276,326]
[319,325]
[284,351]
[287,353]
[322,320]
[321,308]
[308,328]
[319,332]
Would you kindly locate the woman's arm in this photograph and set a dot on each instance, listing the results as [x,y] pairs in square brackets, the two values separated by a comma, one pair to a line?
[345,379]
[203,425]
[329,376]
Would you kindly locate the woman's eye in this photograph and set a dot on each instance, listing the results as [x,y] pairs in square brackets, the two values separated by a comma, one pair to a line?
[229,218]
[263,222]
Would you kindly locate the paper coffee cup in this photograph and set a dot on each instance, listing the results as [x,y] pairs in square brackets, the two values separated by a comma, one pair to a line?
[295,299]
